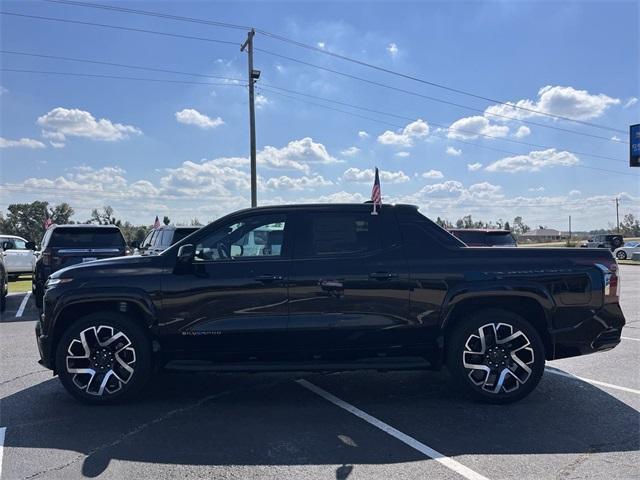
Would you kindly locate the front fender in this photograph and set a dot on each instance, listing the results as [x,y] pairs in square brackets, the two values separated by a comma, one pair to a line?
[93,295]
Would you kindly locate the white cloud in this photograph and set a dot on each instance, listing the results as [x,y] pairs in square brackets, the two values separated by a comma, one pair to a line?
[393,50]
[472,167]
[469,128]
[522,132]
[433,174]
[190,116]
[630,102]
[536,189]
[367,175]
[3,91]
[21,143]
[321,45]
[575,193]
[534,161]
[296,155]
[557,100]
[350,152]
[402,154]
[300,183]
[362,134]
[262,101]
[61,122]
[57,144]
[615,138]
[454,152]
[405,138]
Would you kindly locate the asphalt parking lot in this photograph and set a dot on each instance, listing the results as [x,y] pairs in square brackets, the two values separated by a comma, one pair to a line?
[582,421]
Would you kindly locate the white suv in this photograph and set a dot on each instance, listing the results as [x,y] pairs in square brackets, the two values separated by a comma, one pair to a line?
[18,255]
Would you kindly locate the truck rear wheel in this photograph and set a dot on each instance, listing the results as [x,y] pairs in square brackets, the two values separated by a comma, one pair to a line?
[103,357]
[495,356]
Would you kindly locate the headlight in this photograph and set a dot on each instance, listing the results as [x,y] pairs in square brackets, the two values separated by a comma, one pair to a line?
[52,282]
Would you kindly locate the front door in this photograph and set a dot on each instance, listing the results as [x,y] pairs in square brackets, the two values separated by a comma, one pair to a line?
[231,300]
[348,289]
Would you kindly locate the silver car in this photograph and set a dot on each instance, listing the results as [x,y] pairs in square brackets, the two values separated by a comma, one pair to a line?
[19,255]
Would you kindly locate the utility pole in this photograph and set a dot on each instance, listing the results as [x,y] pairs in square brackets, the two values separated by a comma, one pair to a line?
[569,240]
[253,75]
[617,217]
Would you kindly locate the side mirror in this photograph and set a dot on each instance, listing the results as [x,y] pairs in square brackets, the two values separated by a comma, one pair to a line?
[7,245]
[31,245]
[186,252]
[237,250]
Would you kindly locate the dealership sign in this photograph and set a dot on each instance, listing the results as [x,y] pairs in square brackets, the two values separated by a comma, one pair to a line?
[634,149]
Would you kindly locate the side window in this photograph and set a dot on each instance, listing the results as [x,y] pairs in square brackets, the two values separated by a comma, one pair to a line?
[19,244]
[342,234]
[252,237]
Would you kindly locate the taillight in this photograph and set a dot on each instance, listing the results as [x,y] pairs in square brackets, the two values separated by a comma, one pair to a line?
[611,281]
[46,259]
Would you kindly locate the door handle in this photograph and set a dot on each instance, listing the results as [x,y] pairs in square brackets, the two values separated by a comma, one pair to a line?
[268,278]
[382,275]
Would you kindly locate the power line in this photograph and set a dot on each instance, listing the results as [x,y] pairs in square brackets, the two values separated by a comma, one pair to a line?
[468,143]
[355,77]
[434,99]
[316,49]
[444,127]
[123,65]
[118,27]
[152,14]
[120,77]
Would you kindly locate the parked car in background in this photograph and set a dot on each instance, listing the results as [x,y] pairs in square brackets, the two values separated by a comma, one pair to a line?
[484,237]
[627,250]
[604,241]
[332,288]
[4,283]
[162,238]
[19,255]
[66,245]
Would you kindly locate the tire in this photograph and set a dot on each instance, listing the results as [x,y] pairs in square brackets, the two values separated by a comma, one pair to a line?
[3,300]
[104,358]
[621,255]
[616,243]
[523,356]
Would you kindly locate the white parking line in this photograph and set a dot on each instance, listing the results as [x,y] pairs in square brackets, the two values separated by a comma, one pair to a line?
[22,305]
[403,437]
[629,338]
[593,382]
[2,430]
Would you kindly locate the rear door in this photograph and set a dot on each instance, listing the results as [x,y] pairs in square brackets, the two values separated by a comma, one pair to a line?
[348,290]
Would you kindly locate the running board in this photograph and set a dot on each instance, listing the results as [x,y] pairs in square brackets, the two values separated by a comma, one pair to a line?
[412,363]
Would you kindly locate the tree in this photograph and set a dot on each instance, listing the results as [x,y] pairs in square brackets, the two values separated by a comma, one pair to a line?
[519,227]
[195,222]
[630,225]
[444,223]
[133,233]
[104,217]
[506,225]
[166,220]
[61,214]
[27,219]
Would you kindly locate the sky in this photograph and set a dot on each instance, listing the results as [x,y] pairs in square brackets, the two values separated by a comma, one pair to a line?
[164,143]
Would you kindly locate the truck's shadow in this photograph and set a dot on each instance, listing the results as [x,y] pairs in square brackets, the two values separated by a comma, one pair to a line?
[216,419]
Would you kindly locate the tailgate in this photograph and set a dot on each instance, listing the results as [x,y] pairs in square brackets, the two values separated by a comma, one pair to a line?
[65,257]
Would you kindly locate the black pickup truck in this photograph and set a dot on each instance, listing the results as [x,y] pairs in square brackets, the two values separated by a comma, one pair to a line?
[325,288]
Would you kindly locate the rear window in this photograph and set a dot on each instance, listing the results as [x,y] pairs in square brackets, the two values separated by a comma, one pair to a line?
[474,238]
[180,233]
[498,239]
[87,238]
[339,234]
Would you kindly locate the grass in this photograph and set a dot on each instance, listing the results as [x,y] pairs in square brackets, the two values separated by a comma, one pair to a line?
[22,284]
[628,262]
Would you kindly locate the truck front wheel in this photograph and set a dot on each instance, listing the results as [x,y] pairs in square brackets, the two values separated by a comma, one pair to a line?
[103,357]
[495,356]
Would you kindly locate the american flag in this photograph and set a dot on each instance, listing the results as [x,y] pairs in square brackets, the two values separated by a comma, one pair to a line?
[376,194]
[47,222]
[156,224]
